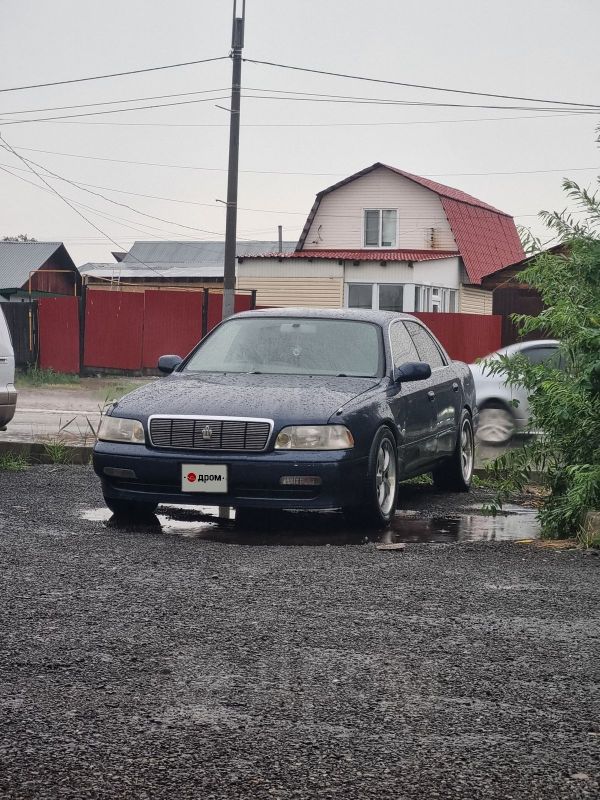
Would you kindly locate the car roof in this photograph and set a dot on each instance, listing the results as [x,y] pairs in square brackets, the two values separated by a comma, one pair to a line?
[518,347]
[357,314]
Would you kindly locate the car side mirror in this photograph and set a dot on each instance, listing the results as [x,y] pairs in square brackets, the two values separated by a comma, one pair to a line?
[412,371]
[167,364]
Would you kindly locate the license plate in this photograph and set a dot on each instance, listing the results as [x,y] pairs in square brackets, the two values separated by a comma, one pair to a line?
[204,478]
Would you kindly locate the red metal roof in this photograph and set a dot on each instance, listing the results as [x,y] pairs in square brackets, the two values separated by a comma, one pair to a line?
[488,241]
[486,237]
[365,255]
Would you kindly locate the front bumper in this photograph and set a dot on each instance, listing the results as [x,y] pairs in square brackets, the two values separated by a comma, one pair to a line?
[253,479]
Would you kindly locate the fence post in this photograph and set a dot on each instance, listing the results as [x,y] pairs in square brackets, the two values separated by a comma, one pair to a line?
[253,299]
[205,313]
[82,307]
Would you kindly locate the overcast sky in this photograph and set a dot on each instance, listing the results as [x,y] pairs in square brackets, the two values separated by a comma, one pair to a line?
[290,149]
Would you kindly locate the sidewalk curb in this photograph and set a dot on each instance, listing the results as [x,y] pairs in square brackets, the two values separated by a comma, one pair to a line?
[36,452]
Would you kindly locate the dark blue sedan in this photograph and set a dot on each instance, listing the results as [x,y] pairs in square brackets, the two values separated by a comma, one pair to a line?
[293,408]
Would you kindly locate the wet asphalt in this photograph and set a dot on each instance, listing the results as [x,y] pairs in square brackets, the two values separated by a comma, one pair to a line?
[289,658]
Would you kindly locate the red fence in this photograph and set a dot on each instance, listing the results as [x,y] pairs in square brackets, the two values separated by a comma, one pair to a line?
[58,332]
[465,336]
[130,330]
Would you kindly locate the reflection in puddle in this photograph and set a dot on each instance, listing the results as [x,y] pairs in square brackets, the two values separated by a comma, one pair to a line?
[271,528]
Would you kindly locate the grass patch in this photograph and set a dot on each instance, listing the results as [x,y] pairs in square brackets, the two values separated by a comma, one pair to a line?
[12,462]
[36,376]
[420,480]
[57,452]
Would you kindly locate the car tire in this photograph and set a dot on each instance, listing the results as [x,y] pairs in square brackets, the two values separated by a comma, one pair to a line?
[130,508]
[381,490]
[456,473]
[496,424]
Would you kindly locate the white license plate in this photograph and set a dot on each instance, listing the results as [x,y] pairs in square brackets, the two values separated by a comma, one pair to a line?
[205,478]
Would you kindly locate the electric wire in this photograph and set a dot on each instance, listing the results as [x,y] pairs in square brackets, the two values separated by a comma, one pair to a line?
[114,74]
[307,174]
[7,146]
[417,85]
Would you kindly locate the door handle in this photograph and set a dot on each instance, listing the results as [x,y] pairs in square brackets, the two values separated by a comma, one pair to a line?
[455,387]
[431,395]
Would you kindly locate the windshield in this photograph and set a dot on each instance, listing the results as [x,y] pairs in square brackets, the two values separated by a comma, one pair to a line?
[291,346]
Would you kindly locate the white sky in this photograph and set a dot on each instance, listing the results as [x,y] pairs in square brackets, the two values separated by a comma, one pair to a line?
[536,48]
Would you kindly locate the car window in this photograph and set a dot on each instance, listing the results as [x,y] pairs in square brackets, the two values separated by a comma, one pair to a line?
[403,348]
[427,349]
[291,346]
[537,355]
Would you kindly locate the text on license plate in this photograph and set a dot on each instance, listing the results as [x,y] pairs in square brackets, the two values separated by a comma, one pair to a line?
[207,478]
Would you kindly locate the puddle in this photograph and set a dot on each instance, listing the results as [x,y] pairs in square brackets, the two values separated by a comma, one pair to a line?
[276,528]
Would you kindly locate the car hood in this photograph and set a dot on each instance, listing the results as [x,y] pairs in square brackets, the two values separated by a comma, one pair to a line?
[289,398]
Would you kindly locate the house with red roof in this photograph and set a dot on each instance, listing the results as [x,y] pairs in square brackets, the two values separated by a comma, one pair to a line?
[387,239]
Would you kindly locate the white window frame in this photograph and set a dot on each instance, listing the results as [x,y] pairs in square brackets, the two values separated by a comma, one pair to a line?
[380,246]
[440,296]
[374,292]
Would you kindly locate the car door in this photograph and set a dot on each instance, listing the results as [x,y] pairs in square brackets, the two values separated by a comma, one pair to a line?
[536,354]
[412,405]
[445,387]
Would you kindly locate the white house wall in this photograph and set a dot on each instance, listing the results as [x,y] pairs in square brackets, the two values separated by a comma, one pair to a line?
[339,221]
[444,272]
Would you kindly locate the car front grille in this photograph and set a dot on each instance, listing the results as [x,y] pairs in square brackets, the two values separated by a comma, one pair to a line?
[198,433]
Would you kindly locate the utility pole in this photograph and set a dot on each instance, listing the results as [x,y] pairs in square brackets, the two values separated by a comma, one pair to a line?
[237,44]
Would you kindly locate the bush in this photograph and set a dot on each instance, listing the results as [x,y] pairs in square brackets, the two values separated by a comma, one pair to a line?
[565,396]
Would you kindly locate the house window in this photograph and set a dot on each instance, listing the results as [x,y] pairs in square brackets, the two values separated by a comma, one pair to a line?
[379,296]
[360,295]
[435,298]
[390,296]
[381,227]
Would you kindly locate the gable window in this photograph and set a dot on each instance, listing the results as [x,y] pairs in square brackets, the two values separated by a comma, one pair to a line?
[381,227]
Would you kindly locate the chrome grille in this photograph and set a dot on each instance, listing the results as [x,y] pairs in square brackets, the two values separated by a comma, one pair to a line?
[192,433]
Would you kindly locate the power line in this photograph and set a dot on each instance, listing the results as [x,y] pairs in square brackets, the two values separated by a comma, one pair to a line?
[109,102]
[114,74]
[562,115]
[283,94]
[8,147]
[277,211]
[116,202]
[308,174]
[418,85]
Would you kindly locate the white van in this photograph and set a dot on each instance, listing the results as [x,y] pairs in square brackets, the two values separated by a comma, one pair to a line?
[8,393]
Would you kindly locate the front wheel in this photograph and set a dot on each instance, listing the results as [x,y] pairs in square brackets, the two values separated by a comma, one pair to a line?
[131,509]
[456,473]
[381,490]
[496,425]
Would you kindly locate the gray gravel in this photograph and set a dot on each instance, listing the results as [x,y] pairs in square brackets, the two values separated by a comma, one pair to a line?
[141,664]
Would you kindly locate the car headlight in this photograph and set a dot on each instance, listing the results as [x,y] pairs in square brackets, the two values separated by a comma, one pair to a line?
[118,429]
[315,437]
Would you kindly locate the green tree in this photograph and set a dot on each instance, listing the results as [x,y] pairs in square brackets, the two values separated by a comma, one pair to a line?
[21,237]
[564,396]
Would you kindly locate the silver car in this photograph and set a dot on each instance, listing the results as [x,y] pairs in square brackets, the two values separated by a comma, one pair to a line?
[499,417]
[8,394]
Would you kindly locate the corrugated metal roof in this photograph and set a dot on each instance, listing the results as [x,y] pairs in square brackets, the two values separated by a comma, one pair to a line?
[487,241]
[365,255]
[176,260]
[157,269]
[19,259]
[194,252]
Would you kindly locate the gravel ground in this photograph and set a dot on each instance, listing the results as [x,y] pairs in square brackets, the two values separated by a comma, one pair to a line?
[141,664]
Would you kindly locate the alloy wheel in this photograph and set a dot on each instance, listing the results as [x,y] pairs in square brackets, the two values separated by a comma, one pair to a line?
[466,451]
[385,477]
[496,425]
